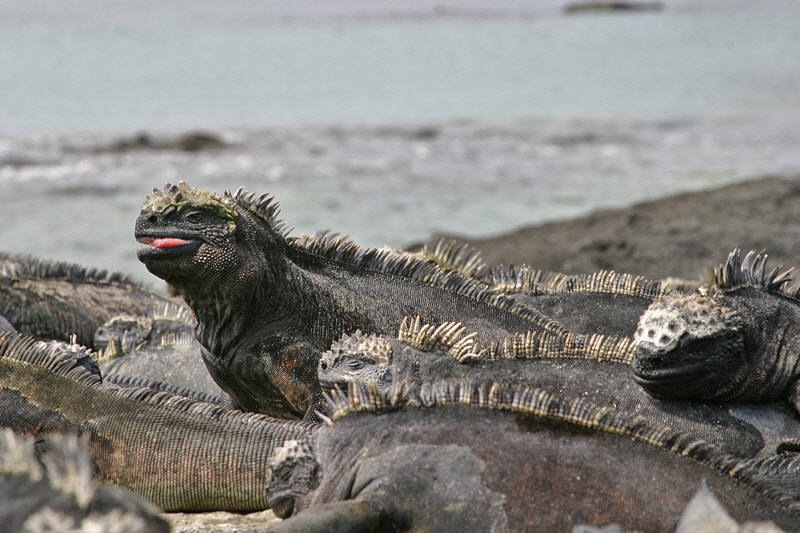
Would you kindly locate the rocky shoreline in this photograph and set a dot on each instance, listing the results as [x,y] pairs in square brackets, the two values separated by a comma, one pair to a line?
[684,236]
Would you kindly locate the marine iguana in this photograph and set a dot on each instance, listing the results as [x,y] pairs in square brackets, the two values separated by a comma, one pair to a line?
[54,300]
[606,302]
[186,455]
[456,456]
[268,305]
[175,452]
[736,340]
[159,352]
[58,492]
[594,368]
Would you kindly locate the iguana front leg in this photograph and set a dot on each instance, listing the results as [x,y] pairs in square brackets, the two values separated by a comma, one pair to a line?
[272,377]
[349,516]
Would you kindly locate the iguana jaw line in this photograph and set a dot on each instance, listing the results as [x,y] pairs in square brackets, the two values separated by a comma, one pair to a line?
[163,242]
[669,376]
[163,245]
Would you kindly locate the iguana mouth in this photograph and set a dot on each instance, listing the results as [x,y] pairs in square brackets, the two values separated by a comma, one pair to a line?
[668,375]
[165,246]
[680,382]
[166,242]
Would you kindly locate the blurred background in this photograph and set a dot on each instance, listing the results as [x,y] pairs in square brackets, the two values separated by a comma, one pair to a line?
[386,120]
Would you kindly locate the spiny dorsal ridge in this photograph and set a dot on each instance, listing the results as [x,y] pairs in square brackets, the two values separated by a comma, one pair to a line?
[751,271]
[360,397]
[596,347]
[25,266]
[608,281]
[411,267]
[530,401]
[527,280]
[263,206]
[449,254]
[69,360]
[450,338]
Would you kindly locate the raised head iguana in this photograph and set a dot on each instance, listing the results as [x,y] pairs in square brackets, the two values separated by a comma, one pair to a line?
[737,340]
[56,300]
[175,452]
[592,367]
[459,456]
[58,492]
[268,305]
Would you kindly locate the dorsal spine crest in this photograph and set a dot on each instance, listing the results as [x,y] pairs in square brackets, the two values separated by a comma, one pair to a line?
[450,338]
[22,266]
[595,347]
[751,271]
[528,401]
[339,249]
[541,282]
[451,255]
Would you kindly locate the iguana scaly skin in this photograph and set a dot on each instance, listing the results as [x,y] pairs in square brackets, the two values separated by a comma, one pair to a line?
[737,340]
[267,305]
[58,492]
[54,300]
[456,456]
[170,450]
[158,352]
[606,302]
[592,367]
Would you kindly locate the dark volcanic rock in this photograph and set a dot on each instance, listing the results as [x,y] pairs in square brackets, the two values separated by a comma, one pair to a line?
[682,236]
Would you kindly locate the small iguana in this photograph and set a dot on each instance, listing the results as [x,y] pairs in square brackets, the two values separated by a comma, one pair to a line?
[737,340]
[267,305]
[54,300]
[592,367]
[58,492]
[159,351]
[175,452]
[460,456]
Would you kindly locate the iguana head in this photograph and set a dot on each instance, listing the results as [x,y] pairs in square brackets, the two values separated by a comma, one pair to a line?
[195,238]
[733,340]
[358,356]
[295,472]
[686,344]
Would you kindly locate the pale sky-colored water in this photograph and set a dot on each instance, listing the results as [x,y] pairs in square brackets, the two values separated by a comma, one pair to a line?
[388,121]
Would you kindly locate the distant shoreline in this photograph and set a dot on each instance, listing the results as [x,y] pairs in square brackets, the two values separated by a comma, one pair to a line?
[684,235]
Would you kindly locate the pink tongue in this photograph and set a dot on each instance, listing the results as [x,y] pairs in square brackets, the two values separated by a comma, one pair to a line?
[168,243]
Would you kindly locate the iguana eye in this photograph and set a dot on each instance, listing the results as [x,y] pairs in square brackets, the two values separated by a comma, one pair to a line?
[194,217]
[355,365]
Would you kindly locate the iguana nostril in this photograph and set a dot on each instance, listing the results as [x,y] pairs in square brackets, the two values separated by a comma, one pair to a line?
[153,219]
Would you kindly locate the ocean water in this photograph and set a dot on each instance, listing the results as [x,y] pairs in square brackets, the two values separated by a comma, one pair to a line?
[387,121]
